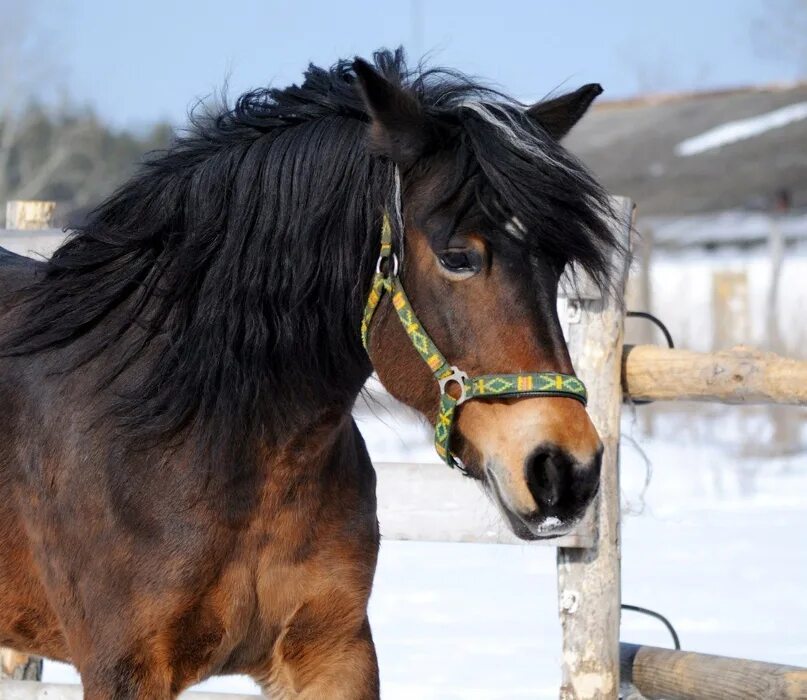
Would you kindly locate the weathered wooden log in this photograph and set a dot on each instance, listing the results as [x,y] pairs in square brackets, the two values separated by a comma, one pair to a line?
[589,579]
[741,375]
[666,674]
[31,215]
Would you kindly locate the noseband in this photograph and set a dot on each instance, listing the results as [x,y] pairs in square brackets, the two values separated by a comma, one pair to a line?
[485,386]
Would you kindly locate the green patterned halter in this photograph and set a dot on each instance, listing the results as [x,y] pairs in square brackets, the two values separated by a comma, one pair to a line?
[485,386]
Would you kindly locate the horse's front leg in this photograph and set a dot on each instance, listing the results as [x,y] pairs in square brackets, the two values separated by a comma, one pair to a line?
[325,652]
[126,678]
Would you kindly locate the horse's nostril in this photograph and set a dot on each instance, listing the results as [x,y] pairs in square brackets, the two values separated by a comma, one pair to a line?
[560,485]
[549,474]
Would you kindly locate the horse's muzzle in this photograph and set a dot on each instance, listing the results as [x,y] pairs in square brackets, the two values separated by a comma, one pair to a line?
[562,488]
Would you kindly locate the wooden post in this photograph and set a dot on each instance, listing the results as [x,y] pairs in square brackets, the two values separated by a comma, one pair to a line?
[589,578]
[731,318]
[32,215]
[666,674]
[639,297]
[786,424]
[28,216]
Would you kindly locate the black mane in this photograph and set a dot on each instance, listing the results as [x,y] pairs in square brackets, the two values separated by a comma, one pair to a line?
[232,270]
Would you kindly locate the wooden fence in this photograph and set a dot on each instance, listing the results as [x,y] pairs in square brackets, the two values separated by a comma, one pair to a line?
[589,577]
[588,560]
[26,690]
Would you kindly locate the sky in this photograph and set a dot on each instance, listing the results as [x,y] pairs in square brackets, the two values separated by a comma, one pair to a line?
[136,62]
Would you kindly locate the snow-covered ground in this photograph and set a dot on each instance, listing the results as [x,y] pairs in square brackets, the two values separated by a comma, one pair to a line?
[716,544]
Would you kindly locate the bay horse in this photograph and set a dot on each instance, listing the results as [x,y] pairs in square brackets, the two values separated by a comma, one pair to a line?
[184,491]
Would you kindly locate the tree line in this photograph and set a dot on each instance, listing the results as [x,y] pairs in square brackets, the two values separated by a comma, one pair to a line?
[69,155]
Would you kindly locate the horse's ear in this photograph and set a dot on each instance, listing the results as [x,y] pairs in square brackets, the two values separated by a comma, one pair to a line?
[560,114]
[399,128]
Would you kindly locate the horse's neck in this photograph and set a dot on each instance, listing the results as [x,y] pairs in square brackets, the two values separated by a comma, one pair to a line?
[327,452]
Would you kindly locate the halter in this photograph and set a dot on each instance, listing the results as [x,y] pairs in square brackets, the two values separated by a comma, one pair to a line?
[484,386]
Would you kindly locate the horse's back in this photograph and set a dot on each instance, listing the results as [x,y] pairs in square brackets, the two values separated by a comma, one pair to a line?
[17,271]
[15,261]
[27,622]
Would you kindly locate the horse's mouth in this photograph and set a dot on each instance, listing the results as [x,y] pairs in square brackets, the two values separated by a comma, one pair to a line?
[536,527]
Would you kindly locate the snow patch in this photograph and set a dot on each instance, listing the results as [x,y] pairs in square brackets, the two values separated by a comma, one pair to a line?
[551,524]
[742,129]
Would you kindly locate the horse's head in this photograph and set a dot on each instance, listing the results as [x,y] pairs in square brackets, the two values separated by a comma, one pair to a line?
[493,209]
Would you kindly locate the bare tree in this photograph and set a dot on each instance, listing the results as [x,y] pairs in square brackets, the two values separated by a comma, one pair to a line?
[30,70]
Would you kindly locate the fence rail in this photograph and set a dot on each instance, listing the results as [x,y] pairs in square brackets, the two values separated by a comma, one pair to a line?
[741,375]
[651,673]
[26,690]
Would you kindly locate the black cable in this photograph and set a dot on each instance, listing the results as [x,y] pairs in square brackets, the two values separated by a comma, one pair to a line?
[667,335]
[653,319]
[658,616]
[638,608]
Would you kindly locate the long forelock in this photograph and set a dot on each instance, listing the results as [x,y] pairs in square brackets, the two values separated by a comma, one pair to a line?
[505,119]
[538,194]
[528,176]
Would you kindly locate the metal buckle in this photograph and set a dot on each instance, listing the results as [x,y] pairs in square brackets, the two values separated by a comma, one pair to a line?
[457,375]
[393,265]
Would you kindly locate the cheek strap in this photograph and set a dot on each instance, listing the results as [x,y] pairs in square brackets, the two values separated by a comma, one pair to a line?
[387,281]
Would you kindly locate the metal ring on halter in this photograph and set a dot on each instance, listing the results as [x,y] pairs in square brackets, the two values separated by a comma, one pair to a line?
[394,263]
[457,375]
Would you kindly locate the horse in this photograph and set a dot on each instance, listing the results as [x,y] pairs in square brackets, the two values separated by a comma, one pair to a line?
[184,490]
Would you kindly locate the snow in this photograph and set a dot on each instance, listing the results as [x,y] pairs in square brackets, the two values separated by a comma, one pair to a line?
[742,129]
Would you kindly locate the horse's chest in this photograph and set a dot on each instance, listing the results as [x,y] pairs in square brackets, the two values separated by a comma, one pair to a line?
[291,562]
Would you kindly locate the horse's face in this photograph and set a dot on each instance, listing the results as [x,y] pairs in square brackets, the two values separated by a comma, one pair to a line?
[489,302]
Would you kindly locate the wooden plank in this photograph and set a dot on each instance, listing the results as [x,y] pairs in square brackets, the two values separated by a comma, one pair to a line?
[589,579]
[430,502]
[25,690]
[30,215]
[741,375]
[666,674]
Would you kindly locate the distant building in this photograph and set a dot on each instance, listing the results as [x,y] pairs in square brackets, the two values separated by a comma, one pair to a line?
[700,152]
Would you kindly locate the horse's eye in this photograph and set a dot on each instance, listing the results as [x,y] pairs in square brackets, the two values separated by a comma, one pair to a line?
[462,261]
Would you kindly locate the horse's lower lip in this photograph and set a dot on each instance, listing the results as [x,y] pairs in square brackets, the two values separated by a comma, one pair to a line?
[537,531]
[544,532]
[547,529]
